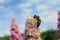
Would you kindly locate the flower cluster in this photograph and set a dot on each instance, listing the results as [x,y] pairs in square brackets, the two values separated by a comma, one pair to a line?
[58,33]
[15,34]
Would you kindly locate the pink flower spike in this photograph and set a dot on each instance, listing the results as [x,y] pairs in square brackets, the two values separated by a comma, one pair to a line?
[15,34]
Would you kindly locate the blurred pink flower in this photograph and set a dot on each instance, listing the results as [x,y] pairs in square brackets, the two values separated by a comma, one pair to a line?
[15,34]
[58,32]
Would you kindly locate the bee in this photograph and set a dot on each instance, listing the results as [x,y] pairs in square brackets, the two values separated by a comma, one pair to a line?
[38,20]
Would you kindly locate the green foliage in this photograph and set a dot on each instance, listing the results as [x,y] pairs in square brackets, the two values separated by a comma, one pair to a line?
[4,38]
[49,35]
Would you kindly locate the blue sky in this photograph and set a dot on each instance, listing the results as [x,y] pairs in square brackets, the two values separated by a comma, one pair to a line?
[46,9]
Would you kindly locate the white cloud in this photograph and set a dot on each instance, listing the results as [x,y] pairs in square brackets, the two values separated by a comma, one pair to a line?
[41,7]
[1,34]
[53,2]
[24,5]
[50,16]
[21,28]
[49,19]
[5,32]
[35,1]
[26,11]
[49,2]
[26,15]
[4,1]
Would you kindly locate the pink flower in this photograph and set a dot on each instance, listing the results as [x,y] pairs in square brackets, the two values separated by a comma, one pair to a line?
[15,34]
[58,32]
